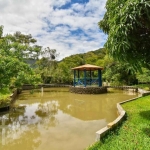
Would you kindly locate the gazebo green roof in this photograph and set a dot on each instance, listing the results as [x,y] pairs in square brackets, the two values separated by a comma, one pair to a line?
[88,67]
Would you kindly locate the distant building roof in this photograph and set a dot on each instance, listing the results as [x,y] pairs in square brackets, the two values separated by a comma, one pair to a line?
[87,67]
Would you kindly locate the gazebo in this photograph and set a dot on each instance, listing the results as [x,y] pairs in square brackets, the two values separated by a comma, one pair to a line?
[83,75]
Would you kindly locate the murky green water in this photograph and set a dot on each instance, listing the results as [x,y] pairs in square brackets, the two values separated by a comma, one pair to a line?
[57,119]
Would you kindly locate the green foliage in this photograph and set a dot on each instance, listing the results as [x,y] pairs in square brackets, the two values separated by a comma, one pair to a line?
[14,49]
[5,91]
[135,131]
[62,74]
[4,101]
[50,54]
[144,77]
[19,46]
[127,24]
[4,97]
[119,74]
[47,64]
[15,73]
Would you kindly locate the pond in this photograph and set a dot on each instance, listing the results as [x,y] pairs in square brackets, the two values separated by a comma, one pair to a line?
[56,119]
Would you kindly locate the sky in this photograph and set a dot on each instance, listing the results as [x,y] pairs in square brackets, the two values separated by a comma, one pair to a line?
[69,26]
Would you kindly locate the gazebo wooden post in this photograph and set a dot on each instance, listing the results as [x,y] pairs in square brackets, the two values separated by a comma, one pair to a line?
[99,78]
[90,77]
[74,78]
[85,78]
[78,75]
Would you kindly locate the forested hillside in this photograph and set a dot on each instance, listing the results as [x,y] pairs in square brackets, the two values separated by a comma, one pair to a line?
[63,72]
[113,72]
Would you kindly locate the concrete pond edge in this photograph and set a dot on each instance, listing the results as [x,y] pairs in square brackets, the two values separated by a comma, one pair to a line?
[122,114]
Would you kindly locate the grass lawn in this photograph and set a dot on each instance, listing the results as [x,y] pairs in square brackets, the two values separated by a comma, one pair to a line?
[134,133]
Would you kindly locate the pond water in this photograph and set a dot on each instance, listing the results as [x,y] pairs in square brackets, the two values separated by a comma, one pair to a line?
[56,119]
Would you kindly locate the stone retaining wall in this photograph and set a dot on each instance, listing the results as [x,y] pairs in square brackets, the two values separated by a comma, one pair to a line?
[13,95]
[143,92]
[30,87]
[88,90]
[135,89]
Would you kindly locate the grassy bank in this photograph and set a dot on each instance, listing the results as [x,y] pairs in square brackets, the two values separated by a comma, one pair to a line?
[134,133]
[143,86]
[4,97]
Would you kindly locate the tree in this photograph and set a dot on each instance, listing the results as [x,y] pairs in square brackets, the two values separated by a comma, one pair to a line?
[117,73]
[13,69]
[62,74]
[19,45]
[15,73]
[127,24]
[47,64]
[50,54]
[144,77]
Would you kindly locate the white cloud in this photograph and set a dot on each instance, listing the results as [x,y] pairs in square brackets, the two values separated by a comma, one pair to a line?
[69,30]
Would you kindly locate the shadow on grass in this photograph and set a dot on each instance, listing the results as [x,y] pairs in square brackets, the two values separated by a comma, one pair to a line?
[146,131]
[145,114]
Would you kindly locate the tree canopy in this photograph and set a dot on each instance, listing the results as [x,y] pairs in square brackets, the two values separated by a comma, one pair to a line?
[19,45]
[14,50]
[127,23]
[47,64]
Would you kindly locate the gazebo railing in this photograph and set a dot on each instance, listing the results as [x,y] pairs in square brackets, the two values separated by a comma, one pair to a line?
[89,81]
[79,81]
[94,81]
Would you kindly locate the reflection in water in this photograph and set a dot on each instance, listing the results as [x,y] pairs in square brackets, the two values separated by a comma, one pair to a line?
[57,119]
[3,127]
[13,134]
